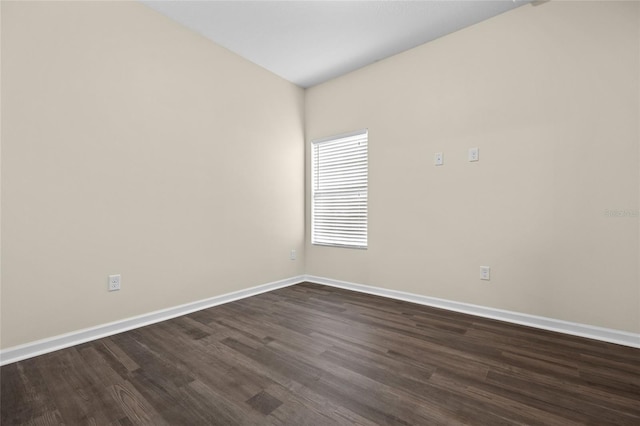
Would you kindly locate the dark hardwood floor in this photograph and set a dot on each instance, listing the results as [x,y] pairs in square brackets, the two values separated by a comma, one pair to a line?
[315,355]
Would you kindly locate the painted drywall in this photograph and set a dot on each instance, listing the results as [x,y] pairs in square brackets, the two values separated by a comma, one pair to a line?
[550,96]
[132,145]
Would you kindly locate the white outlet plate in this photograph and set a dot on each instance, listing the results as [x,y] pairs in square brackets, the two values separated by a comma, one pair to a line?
[293,254]
[114,282]
[485,273]
[474,154]
[438,159]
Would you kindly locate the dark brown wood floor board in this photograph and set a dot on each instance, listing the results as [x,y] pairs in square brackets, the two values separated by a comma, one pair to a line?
[576,387]
[305,407]
[441,326]
[401,308]
[236,309]
[434,316]
[400,336]
[416,372]
[302,292]
[480,396]
[181,398]
[435,346]
[301,358]
[18,390]
[206,316]
[371,319]
[380,372]
[347,325]
[227,328]
[192,329]
[306,321]
[371,400]
[221,328]
[160,388]
[49,418]
[77,393]
[590,362]
[218,408]
[312,305]
[210,369]
[437,399]
[229,374]
[263,331]
[343,341]
[164,396]
[562,361]
[554,400]
[135,406]
[314,355]
[366,375]
[400,321]
[607,369]
[115,356]
[406,388]
[459,350]
[189,322]
[321,306]
[247,359]
[559,349]
[378,303]
[572,370]
[559,341]
[108,381]
[516,343]
[296,341]
[120,399]
[290,367]
[241,383]
[101,367]
[141,349]
[535,362]
[623,384]
[460,365]
[296,413]
[41,402]
[235,358]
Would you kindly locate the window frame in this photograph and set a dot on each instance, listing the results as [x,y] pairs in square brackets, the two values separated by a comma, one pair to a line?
[360,240]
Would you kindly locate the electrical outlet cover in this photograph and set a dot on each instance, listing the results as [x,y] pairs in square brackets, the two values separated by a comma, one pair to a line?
[485,273]
[114,282]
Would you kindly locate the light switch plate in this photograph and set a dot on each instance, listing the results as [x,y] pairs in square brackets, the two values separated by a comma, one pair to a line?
[438,159]
[474,154]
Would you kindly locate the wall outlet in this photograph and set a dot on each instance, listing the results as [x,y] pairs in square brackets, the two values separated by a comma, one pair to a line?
[114,282]
[474,154]
[485,273]
[293,254]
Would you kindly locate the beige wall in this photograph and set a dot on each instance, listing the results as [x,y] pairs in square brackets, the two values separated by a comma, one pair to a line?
[132,145]
[550,96]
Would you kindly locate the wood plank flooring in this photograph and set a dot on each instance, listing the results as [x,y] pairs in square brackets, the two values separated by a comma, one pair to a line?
[315,355]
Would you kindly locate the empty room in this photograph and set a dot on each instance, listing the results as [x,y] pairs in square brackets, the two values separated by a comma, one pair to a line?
[320,212]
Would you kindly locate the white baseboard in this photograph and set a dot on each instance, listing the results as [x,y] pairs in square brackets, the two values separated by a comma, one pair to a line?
[40,347]
[583,330]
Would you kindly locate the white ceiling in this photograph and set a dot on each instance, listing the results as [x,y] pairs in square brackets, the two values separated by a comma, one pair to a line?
[309,42]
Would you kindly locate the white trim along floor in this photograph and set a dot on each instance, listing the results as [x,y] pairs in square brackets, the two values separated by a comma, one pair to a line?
[29,350]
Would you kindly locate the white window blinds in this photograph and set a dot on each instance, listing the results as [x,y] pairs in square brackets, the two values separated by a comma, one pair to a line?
[339,175]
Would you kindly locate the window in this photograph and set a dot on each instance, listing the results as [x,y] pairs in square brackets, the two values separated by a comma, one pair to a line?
[339,175]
